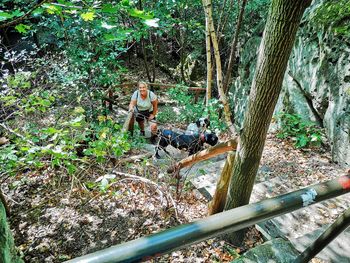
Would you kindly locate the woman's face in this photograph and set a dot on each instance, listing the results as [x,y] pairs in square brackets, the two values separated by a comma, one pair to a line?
[142,89]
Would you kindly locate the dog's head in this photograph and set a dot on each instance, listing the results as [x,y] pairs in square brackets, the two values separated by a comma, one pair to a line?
[211,138]
[203,122]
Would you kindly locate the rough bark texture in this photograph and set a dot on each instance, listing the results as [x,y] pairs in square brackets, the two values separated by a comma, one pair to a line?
[279,35]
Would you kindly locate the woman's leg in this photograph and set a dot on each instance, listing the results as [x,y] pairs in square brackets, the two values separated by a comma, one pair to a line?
[142,127]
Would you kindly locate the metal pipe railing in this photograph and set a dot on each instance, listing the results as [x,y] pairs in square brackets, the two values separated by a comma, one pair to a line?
[325,238]
[228,221]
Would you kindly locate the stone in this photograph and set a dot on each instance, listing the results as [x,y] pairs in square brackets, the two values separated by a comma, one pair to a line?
[276,250]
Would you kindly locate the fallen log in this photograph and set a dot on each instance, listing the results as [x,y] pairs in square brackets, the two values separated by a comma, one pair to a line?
[206,154]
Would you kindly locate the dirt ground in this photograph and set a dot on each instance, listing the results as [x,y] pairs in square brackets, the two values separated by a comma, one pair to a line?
[55,217]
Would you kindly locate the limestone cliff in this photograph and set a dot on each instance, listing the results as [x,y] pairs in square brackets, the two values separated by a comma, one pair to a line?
[316,83]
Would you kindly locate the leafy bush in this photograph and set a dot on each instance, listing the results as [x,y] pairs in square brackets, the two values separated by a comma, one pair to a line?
[334,14]
[304,133]
[187,111]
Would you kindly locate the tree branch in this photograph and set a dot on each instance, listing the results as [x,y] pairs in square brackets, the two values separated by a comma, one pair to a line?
[17,20]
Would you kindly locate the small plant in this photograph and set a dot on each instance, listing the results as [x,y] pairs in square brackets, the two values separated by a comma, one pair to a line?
[304,133]
[188,111]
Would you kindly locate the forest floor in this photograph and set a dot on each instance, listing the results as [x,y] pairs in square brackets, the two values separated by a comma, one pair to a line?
[55,217]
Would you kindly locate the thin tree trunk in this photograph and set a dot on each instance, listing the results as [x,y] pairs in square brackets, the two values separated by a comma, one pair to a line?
[145,59]
[219,199]
[274,51]
[182,56]
[223,22]
[227,112]
[209,64]
[232,57]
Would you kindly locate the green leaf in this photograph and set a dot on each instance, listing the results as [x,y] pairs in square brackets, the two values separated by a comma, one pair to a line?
[51,9]
[79,110]
[21,28]
[89,16]
[120,36]
[90,185]
[302,141]
[108,8]
[38,11]
[140,14]
[126,3]
[4,16]
[17,13]
[50,130]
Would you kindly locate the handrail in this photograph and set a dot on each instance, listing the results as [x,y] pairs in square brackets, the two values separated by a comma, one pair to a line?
[228,221]
[325,238]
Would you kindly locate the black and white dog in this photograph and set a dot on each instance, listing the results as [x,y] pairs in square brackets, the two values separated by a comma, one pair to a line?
[191,143]
[195,128]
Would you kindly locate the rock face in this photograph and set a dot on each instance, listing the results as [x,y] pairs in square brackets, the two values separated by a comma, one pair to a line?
[276,250]
[316,83]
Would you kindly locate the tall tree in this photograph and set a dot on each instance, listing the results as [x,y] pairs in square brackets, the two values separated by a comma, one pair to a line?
[208,9]
[209,63]
[275,48]
[232,56]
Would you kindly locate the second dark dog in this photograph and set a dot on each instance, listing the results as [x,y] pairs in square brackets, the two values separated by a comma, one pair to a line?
[191,143]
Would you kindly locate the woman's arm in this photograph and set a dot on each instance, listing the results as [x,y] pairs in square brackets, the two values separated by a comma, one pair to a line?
[155,107]
[132,105]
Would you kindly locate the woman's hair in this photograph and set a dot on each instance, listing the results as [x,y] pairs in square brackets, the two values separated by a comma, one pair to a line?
[143,83]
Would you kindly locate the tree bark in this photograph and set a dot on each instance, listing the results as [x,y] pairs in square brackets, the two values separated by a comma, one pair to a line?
[209,63]
[274,51]
[219,199]
[232,57]
[227,112]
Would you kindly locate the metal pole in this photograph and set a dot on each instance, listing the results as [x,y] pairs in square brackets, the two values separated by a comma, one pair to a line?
[229,221]
[325,238]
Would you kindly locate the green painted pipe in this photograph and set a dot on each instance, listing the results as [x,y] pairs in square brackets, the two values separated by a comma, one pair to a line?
[228,221]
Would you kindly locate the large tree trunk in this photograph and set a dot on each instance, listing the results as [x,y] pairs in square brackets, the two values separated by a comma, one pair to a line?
[275,48]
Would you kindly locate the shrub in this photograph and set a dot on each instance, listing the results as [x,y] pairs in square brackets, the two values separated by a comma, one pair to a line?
[303,133]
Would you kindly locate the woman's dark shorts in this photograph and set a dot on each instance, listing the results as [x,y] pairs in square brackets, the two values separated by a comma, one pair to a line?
[143,115]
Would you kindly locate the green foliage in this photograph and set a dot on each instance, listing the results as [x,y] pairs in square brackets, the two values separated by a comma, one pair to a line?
[303,133]
[99,140]
[334,14]
[8,157]
[187,111]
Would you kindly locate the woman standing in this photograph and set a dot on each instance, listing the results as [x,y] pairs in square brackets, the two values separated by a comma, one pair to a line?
[144,105]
